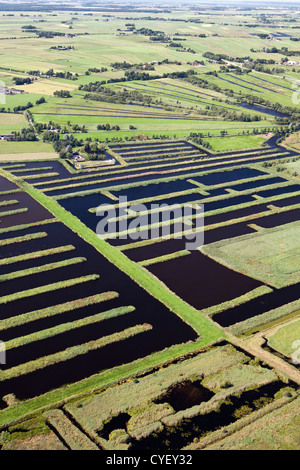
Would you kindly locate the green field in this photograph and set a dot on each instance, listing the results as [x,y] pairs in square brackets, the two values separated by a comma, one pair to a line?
[270,255]
[285,340]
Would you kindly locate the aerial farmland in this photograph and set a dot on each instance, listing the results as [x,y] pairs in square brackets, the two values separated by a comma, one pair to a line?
[149,227]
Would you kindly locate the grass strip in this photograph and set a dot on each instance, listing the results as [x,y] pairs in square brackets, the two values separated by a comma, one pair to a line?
[24,238]
[53,310]
[16,228]
[72,352]
[62,328]
[13,212]
[30,170]
[41,175]
[69,432]
[265,318]
[161,259]
[9,203]
[47,288]
[11,191]
[254,294]
[10,167]
[36,254]
[40,269]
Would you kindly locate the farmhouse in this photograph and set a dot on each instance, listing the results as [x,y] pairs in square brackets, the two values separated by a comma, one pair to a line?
[292,62]
[5,136]
[197,64]
[14,91]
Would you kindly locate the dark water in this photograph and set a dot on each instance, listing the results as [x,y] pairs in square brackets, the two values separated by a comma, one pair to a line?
[263,109]
[35,212]
[280,190]
[169,438]
[257,184]
[228,176]
[255,307]
[278,219]
[201,281]
[170,246]
[6,185]
[186,394]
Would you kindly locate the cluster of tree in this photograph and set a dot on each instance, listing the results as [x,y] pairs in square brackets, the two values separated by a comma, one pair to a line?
[218,57]
[149,32]
[66,75]
[54,129]
[50,73]
[64,147]
[107,127]
[133,75]
[62,48]
[62,94]
[121,65]
[29,28]
[23,108]
[50,34]
[96,70]
[40,101]
[93,150]
[25,134]
[159,38]
[126,65]
[48,136]
[175,44]
[197,137]
[283,50]
[124,96]
[22,80]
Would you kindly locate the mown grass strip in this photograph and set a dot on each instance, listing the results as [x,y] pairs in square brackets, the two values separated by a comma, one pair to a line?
[10,167]
[39,176]
[53,310]
[161,259]
[270,316]
[9,203]
[30,170]
[62,328]
[24,238]
[47,288]
[41,269]
[11,191]
[16,228]
[254,294]
[72,352]
[13,212]
[36,254]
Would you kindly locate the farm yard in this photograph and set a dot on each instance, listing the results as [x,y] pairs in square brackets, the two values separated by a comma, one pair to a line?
[125,325]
